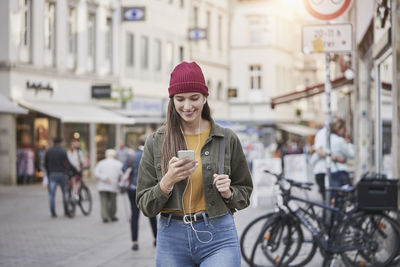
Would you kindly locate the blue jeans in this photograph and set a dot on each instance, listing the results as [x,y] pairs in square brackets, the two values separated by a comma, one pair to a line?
[178,245]
[55,179]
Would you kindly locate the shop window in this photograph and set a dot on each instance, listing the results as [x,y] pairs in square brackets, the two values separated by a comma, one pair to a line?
[105,139]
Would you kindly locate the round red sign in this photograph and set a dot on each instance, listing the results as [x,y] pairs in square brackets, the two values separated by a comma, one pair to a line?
[326,9]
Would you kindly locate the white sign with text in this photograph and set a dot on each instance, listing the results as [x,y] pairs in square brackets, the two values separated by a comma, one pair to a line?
[328,38]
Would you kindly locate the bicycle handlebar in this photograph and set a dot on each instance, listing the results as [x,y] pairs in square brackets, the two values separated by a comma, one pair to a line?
[302,185]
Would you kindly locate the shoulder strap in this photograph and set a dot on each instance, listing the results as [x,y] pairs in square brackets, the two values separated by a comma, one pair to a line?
[150,141]
[221,153]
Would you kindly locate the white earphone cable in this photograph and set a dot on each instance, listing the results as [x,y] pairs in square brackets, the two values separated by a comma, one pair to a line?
[190,195]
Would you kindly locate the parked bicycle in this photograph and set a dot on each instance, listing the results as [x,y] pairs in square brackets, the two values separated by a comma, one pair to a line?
[78,193]
[290,236]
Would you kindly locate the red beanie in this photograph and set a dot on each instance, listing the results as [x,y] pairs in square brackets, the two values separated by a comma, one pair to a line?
[187,77]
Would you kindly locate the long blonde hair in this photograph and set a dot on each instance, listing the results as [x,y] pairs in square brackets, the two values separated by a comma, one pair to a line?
[173,138]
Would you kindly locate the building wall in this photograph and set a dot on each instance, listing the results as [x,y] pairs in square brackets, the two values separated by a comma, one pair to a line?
[212,54]
[7,149]
[259,37]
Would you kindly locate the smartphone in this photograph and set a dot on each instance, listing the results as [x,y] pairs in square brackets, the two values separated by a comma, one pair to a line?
[186,154]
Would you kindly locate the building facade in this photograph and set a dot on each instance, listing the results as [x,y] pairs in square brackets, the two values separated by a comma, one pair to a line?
[57,59]
[152,45]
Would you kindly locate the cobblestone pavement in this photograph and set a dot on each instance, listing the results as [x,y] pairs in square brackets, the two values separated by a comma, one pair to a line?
[30,237]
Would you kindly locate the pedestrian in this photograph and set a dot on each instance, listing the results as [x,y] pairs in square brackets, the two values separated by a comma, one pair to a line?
[133,163]
[123,152]
[340,148]
[108,171]
[75,155]
[318,160]
[340,152]
[195,200]
[57,166]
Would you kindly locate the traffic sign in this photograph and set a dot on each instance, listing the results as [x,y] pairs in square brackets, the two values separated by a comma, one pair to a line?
[133,13]
[328,38]
[196,34]
[326,9]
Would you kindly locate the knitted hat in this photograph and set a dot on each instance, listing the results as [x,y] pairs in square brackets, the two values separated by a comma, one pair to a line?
[187,77]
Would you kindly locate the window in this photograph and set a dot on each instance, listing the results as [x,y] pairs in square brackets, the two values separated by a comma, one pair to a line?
[169,56]
[49,25]
[24,39]
[255,32]
[195,17]
[219,91]
[144,43]
[220,33]
[72,30]
[109,39]
[49,33]
[130,50]
[72,38]
[157,53]
[26,22]
[91,41]
[209,28]
[181,53]
[255,77]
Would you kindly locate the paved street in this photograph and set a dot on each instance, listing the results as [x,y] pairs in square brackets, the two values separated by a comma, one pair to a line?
[29,237]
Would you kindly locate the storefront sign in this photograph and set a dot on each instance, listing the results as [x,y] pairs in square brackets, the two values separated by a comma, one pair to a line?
[145,107]
[39,87]
[329,38]
[101,91]
[133,13]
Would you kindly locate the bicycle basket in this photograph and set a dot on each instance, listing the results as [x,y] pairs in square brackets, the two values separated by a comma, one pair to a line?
[377,194]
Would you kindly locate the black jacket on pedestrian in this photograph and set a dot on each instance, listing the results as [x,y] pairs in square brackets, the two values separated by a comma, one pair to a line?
[56,160]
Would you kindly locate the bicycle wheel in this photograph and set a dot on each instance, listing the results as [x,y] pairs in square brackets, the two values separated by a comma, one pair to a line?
[279,241]
[370,240]
[85,199]
[250,234]
[70,202]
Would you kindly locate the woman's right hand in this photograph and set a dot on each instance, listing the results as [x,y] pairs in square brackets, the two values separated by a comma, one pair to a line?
[178,170]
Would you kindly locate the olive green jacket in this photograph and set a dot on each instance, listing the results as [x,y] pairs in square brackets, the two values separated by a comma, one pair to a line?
[151,200]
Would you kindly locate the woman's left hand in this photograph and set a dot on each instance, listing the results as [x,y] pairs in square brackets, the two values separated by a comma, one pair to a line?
[222,183]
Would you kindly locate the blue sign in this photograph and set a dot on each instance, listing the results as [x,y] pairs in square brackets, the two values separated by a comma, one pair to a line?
[133,13]
[196,34]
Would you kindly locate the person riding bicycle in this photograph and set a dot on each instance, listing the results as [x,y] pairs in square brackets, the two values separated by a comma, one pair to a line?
[57,167]
[75,157]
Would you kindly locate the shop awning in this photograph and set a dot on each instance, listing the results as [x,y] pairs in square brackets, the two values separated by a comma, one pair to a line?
[297,129]
[9,107]
[77,112]
[309,91]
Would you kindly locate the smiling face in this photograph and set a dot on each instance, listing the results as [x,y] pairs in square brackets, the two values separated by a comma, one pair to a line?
[189,106]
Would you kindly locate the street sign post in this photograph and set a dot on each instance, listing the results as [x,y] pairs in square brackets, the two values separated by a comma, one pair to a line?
[328,38]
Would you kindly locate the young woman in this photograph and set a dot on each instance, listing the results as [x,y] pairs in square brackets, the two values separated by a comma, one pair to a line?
[196,226]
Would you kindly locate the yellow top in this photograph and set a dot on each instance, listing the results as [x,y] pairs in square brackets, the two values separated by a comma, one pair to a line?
[195,183]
